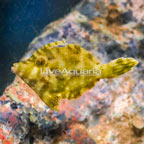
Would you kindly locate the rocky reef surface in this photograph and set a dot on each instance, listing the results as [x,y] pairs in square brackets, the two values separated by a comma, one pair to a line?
[110,113]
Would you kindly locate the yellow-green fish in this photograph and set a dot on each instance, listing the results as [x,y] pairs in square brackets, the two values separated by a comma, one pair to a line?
[65,71]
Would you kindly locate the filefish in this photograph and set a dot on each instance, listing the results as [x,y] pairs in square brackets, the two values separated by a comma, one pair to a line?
[59,71]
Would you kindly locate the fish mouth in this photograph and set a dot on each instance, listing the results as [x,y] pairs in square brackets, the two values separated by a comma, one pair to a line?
[14,67]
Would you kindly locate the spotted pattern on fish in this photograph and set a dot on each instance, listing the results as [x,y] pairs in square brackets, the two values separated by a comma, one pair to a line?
[59,55]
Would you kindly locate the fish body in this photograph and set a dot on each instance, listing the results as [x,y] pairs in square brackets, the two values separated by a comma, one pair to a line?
[65,71]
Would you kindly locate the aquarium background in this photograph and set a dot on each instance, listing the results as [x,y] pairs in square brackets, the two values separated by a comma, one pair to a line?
[20,22]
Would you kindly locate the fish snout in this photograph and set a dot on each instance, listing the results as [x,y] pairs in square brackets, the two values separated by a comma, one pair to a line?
[14,68]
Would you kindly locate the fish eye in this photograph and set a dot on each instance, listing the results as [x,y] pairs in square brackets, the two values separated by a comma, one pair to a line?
[41,61]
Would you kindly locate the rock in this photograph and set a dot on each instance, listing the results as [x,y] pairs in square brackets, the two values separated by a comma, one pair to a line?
[103,114]
[138,125]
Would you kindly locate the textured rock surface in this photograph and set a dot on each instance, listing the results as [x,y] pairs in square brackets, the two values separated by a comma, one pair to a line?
[110,113]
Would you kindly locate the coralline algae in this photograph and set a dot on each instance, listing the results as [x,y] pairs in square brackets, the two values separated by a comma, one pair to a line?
[110,113]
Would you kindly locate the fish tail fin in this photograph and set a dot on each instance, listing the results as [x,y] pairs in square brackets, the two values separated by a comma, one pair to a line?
[117,67]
